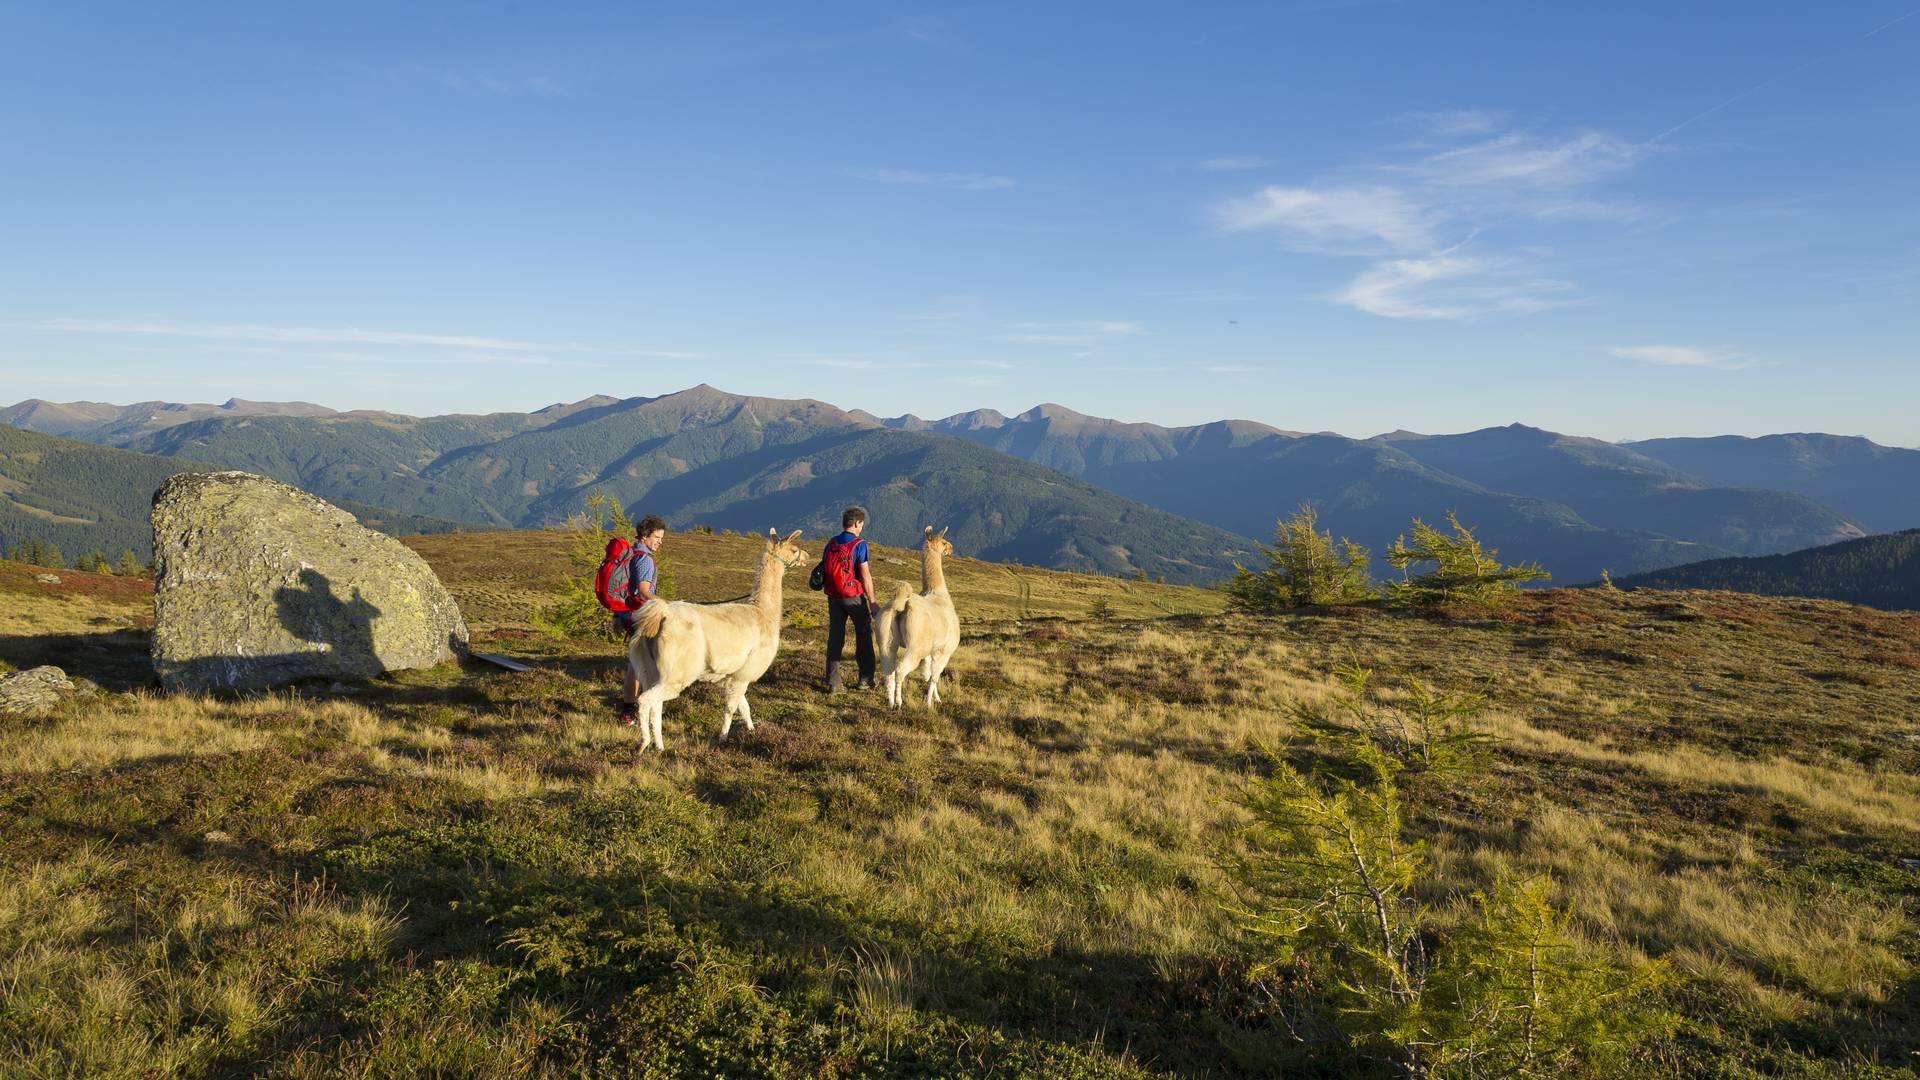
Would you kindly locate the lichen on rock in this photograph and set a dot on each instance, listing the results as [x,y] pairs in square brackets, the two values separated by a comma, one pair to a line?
[34,691]
[257,583]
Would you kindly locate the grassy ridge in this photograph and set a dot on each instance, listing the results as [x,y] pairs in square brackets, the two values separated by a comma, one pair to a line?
[475,872]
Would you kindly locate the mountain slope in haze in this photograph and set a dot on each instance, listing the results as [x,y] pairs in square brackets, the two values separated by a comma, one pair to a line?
[112,425]
[1575,505]
[1615,487]
[1241,476]
[1077,444]
[1878,486]
[89,498]
[1370,492]
[749,463]
[721,459]
[1878,571]
[374,460]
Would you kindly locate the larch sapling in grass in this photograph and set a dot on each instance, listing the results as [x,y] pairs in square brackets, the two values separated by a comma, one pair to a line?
[1462,571]
[1305,568]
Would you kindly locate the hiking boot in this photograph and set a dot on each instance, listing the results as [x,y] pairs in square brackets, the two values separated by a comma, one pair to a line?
[833,679]
[867,684]
[629,715]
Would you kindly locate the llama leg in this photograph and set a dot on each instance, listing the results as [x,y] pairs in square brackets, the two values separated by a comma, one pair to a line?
[746,710]
[726,717]
[643,708]
[939,669]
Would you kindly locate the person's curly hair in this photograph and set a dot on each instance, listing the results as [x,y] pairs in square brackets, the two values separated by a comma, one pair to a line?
[649,525]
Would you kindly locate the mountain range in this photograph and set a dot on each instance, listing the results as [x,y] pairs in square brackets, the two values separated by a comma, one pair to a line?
[1049,486]
[1574,503]
[698,455]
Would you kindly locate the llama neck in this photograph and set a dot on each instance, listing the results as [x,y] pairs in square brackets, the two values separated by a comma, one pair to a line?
[933,577]
[766,588]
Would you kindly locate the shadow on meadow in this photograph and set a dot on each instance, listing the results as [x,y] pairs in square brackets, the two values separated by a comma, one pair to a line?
[660,929]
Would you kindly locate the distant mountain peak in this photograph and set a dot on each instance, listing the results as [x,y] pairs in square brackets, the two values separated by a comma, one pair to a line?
[593,402]
[1050,411]
[973,421]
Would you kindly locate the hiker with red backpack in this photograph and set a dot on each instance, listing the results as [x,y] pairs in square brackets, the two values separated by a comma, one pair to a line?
[849,589]
[627,578]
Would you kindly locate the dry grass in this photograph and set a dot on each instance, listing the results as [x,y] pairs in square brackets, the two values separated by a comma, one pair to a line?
[1039,861]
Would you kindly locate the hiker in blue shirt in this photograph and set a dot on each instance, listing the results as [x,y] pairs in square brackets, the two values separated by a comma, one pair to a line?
[849,588]
[650,534]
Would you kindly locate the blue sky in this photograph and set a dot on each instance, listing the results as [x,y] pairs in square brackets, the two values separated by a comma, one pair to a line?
[1622,220]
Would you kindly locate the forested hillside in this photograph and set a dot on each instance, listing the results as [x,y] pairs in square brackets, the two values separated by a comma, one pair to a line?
[1573,504]
[1878,571]
[86,499]
[1048,486]
[721,459]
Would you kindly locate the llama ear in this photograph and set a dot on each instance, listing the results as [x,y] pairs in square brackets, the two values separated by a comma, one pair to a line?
[792,536]
[943,531]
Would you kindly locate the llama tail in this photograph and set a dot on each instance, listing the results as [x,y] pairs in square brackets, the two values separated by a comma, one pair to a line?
[650,618]
[890,633]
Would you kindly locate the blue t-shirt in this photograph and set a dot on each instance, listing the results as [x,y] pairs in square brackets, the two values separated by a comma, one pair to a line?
[859,546]
[643,568]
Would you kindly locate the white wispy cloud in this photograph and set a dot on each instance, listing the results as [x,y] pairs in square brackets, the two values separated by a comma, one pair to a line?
[1318,218]
[1233,163]
[957,181]
[1470,175]
[1519,158]
[1231,369]
[1706,356]
[1448,285]
[1077,332]
[334,335]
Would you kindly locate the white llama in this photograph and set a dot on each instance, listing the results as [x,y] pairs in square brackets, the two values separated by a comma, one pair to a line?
[676,644]
[920,630]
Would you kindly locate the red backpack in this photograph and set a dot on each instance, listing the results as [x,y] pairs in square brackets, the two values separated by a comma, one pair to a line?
[613,582]
[843,577]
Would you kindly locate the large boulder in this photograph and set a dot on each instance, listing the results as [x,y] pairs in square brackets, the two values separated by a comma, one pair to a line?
[257,583]
[34,691]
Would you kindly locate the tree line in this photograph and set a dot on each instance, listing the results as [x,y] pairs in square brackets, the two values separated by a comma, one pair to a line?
[36,552]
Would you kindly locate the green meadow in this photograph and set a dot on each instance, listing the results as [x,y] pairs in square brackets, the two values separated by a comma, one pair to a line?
[469,871]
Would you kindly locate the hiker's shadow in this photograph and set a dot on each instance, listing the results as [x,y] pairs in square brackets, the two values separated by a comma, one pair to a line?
[313,613]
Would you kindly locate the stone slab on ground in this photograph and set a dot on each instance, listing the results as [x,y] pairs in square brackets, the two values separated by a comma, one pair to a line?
[34,691]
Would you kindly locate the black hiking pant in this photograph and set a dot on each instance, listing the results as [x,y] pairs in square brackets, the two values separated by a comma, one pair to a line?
[840,609]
